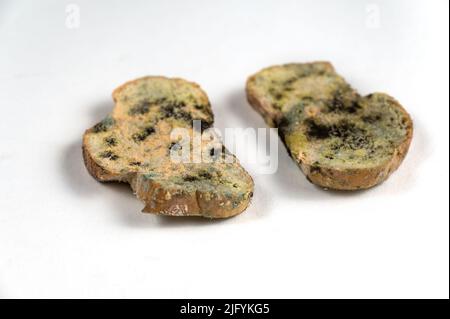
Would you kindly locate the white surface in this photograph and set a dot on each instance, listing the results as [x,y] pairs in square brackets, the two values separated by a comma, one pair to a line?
[64,235]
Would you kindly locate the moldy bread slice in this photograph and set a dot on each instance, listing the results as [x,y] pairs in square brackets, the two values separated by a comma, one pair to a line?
[340,140]
[133,144]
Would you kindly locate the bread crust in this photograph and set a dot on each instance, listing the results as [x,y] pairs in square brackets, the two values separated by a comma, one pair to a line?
[330,177]
[165,200]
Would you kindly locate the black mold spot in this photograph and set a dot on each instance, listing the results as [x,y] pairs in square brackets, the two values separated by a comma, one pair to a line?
[143,107]
[354,107]
[109,155]
[111,141]
[205,175]
[173,109]
[167,110]
[190,178]
[175,146]
[404,121]
[372,118]
[204,125]
[104,125]
[318,131]
[215,153]
[277,106]
[351,135]
[183,115]
[315,169]
[283,122]
[339,104]
[201,106]
[277,95]
[139,137]
[289,81]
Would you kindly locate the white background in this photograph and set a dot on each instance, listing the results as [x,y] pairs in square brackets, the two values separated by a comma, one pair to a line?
[62,234]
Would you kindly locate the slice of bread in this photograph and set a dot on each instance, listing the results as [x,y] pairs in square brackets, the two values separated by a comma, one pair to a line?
[339,139]
[134,145]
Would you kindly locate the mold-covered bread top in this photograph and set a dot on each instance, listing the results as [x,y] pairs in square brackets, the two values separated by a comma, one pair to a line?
[324,122]
[135,140]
